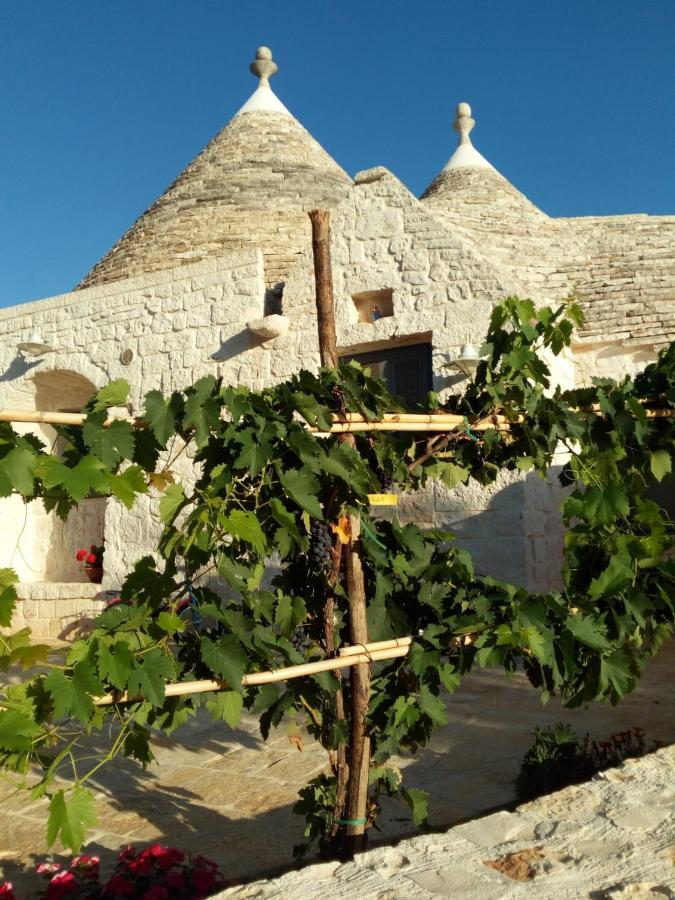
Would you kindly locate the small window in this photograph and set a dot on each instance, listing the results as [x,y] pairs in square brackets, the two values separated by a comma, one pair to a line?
[405,370]
[373,305]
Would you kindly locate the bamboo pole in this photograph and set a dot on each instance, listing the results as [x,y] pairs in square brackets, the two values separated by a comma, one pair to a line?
[375,645]
[268,677]
[344,423]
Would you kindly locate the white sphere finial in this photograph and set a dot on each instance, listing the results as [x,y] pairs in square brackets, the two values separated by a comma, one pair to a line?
[263,65]
[463,124]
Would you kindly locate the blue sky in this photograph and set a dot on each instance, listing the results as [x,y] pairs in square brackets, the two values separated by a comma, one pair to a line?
[103,103]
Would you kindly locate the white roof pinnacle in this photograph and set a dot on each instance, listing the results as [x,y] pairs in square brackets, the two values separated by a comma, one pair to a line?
[263,99]
[466,154]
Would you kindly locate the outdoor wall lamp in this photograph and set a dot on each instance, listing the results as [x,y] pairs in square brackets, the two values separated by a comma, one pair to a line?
[467,361]
[35,346]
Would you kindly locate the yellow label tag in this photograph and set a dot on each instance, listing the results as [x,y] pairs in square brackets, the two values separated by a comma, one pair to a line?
[383,499]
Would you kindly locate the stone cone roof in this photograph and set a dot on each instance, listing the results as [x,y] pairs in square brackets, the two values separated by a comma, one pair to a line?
[470,190]
[252,186]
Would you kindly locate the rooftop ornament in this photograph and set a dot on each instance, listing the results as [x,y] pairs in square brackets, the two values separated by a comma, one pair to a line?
[263,99]
[466,154]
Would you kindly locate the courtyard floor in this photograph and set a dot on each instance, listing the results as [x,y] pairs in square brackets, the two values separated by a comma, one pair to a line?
[228,795]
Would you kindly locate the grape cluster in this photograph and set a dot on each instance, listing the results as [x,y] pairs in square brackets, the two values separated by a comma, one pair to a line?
[319,548]
[387,483]
[301,640]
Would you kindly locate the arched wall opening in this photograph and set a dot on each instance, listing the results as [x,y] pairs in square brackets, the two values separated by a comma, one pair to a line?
[40,546]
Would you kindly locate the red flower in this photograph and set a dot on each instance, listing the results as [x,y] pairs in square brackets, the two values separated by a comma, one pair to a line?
[141,866]
[119,887]
[174,879]
[165,857]
[203,880]
[86,865]
[62,884]
[91,559]
[7,891]
[156,892]
[127,853]
[47,869]
[81,555]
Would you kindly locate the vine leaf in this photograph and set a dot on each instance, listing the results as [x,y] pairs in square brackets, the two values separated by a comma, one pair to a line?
[148,679]
[72,696]
[244,524]
[589,631]
[173,499]
[17,730]
[7,596]
[417,802]
[225,658]
[113,394]
[159,415]
[69,819]
[228,706]
[116,664]
[302,488]
[127,485]
[660,464]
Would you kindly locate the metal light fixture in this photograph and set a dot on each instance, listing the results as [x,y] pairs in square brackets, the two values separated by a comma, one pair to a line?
[35,346]
[467,361]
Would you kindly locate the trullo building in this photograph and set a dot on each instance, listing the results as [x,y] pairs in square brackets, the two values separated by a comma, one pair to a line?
[216,277]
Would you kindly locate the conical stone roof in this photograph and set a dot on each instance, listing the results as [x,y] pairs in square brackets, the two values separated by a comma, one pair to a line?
[252,186]
[471,191]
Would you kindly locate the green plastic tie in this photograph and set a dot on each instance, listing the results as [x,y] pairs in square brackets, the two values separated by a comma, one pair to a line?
[370,534]
[469,431]
[363,821]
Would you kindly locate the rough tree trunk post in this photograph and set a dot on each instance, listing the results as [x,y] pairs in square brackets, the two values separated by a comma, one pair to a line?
[356,800]
[323,274]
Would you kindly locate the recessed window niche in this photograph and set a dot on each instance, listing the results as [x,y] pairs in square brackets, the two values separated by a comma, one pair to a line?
[369,306]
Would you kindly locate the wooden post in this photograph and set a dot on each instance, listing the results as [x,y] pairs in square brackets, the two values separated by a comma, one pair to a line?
[356,800]
[359,743]
[323,274]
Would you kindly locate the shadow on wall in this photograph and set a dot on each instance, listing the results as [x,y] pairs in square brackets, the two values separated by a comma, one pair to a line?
[513,530]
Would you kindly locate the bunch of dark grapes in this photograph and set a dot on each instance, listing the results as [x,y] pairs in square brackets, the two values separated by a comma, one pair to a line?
[387,483]
[319,548]
[301,640]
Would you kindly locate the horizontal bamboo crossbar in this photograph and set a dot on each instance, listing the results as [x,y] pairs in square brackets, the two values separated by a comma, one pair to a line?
[342,422]
[356,657]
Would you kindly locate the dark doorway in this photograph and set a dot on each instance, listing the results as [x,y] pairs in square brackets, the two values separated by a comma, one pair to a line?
[405,370]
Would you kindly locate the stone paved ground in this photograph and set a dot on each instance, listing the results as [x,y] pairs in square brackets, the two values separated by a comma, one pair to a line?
[228,795]
[613,837]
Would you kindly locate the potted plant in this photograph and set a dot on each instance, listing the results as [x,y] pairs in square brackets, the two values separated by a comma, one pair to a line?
[93,562]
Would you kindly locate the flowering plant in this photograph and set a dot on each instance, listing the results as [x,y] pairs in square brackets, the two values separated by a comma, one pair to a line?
[156,873]
[92,558]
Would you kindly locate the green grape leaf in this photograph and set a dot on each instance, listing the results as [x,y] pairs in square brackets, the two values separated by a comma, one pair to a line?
[114,394]
[589,631]
[148,678]
[69,819]
[8,579]
[661,464]
[17,730]
[127,485]
[160,416]
[16,471]
[417,802]
[172,500]
[116,663]
[244,524]
[228,706]
[302,488]
[225,658]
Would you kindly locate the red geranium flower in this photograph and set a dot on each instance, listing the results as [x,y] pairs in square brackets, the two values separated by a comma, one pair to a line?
[86,865]
[203,880]
[91,559]
[81,555]
[48,869]
[7,891]
[119,887]
[62,884]
[156,892]
[174,878]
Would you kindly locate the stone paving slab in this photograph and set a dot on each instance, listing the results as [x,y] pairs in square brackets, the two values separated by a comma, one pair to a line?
[227,794]
[612,837]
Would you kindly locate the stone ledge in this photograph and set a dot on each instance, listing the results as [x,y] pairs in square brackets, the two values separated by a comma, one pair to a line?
[58,590]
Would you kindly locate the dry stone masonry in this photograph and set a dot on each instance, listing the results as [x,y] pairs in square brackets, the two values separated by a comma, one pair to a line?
[187,291]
